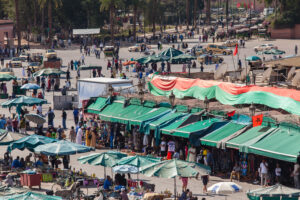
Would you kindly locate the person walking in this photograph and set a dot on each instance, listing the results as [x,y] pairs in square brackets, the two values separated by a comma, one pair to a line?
[295,174]
[76,115]
[205,180]
[296,49]
[51,116]
[79,136]
[263,172]
[72,134]
[64,118]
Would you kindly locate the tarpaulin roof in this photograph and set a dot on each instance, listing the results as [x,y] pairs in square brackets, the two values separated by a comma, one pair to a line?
[152,115]
[88,31]
[249,137]
[30,195]
[224,131]
[96,107]
[281,144]
[109,110]
[227,93]
[187,130]
[171,127]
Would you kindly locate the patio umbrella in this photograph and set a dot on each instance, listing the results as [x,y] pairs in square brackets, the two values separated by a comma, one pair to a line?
[48,72]
[30,142]
[105,159]
[35,118]
[138,161]
[170,52]
[224,188]
[173,168]
[8,137]
[30,195]
[30,86]
[277,191]
[7,77]
[62,148]
[89,67]
[125,169]
[253,58]
[23,101]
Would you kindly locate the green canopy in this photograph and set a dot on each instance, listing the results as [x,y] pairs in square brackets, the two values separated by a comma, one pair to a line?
[23,101]
[30,196]
[194,130]
[251,136]
[89,67]
[282,144]
[7,77]
[48,72]
[213,138]
[152,115]
[171,52]
[116,113]
[138,161]
[8,137]
[165,119]
[275,192]
[153,59]
[272,51]
[97,106]
[168,130]
[183,58]
[105,159]
[62,148]
[30,142]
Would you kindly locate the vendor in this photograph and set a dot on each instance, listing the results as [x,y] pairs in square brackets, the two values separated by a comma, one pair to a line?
[38,163]
[107,183]
[16,163]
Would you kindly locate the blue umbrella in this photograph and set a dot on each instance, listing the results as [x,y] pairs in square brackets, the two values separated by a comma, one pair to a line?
[62,148]
[30,86]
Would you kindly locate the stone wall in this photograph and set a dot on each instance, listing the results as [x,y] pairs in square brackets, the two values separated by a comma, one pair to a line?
[286,33]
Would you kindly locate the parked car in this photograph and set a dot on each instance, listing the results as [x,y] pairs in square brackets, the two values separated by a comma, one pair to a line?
[206,57]
[264,47]
[35,65]
[23,56]
[218,49]
[138,47]
[230,43]
[16,62]
[50,53]
[7,71]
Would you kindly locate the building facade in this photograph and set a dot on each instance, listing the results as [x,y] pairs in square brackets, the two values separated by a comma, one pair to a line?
[6,33]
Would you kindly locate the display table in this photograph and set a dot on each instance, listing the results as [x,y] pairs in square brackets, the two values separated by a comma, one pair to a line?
[31,180]
[47,177]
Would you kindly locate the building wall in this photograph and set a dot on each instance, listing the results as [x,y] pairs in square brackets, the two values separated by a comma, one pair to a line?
[6,26]
[286,33]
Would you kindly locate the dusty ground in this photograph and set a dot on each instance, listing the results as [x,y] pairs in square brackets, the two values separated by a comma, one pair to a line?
[161,184]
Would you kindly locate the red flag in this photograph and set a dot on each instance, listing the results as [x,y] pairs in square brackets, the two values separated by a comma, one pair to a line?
[238,5]
[230,114]
[236,50]
[257,120]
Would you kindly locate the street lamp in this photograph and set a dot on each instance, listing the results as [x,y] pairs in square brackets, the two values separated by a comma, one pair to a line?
[172,99]
[252,109]
[141,91]
[206,103]
[110,90]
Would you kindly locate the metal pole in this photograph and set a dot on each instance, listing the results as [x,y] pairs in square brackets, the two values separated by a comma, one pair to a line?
[175,187]
[104,172]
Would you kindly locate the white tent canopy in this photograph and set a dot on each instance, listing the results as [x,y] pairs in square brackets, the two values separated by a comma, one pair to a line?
[88,31]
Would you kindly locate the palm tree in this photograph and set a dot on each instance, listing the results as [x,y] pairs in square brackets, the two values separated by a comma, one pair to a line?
[187,11]
[49,4]
[110,5]
[135,4]
[18,22]
[208,11]
[195,13]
